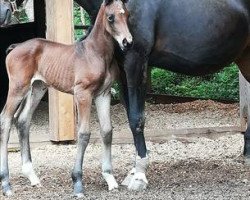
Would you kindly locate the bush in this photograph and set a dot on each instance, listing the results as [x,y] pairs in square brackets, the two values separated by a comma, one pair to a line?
[222,85]
[77,21]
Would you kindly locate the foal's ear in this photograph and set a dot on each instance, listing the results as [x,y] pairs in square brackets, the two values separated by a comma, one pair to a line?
[107,2]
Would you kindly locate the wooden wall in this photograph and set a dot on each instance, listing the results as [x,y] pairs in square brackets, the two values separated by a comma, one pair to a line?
[16,34]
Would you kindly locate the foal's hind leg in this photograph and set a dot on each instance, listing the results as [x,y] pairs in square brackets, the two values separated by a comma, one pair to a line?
[15,96]
[244,64]
[23,125]
[103,111]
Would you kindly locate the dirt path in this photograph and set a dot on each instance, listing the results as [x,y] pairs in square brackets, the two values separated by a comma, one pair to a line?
[202,169]
[195,169]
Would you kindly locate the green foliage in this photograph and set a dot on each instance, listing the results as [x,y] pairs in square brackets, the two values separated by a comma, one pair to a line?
[222,85]
[77,21]
[22,17]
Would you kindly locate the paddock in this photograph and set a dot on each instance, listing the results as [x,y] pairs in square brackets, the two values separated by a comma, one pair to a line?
[182,166]
[195,148]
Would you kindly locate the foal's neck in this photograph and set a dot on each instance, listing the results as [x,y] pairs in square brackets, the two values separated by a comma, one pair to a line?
[102,41]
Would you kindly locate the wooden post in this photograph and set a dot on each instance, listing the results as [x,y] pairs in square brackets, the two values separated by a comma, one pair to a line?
[244,102]
[59,17]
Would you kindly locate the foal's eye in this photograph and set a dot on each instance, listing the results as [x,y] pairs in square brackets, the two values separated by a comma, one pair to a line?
[111,18]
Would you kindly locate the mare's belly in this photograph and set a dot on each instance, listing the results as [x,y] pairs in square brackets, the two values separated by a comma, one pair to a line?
[200,36]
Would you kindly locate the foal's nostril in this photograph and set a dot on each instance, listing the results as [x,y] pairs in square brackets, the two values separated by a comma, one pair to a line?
[125,42]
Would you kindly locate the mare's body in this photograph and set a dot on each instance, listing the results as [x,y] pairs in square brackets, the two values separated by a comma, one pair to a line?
[193,37]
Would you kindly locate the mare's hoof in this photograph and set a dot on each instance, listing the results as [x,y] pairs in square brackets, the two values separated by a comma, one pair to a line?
[128,178]
[139,182]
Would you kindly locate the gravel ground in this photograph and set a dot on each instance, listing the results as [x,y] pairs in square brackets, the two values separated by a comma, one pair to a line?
[204,169]
[197,114]
[197,169]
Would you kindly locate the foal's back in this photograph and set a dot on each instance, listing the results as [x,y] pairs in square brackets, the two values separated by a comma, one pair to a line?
[54,63]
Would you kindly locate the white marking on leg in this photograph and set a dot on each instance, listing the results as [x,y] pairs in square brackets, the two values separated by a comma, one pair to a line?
[139,180]
[129,177]
[110,179]
[103,111]
[28,171]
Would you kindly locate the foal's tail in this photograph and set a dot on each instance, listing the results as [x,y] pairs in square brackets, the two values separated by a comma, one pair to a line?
[11,47]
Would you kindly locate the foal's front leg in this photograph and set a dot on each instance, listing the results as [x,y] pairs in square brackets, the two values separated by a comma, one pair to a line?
[83,100]
[103,110]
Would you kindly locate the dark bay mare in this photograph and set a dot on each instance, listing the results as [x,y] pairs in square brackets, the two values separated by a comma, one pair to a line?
[85,69]
[193,37]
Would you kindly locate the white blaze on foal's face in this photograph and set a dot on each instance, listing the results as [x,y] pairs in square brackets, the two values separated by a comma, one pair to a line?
[117,19]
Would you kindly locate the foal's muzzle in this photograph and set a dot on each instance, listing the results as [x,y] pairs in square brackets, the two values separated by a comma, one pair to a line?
[127,44]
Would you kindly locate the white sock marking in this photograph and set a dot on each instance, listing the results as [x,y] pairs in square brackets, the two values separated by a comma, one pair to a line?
[29,172]
[110,179]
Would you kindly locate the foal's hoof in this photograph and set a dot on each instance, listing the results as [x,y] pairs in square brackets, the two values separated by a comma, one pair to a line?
[8,193]
[139,182]
[247,160]
[110,179]
[7,190]
[37,185]
[79,195]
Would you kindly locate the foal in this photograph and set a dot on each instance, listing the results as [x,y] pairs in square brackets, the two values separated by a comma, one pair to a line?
[85,69]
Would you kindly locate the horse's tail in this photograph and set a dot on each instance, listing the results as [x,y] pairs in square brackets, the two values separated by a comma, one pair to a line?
[11,47]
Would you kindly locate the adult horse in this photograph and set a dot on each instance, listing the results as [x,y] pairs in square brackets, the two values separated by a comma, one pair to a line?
[193,37]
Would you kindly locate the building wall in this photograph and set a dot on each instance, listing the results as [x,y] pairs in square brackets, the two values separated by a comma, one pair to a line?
[16,34]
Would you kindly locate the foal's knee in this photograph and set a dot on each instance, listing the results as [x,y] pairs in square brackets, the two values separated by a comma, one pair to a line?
[21,125]
[107,136]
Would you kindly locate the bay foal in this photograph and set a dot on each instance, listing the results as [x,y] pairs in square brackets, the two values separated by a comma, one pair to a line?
[85,69]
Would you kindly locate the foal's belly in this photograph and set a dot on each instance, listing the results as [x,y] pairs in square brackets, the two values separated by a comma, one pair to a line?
[200,36]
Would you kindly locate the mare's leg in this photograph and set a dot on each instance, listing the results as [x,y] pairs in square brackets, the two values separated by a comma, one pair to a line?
[23,125]
[83,100]
[15,96]
[134,91]
[244,64]
[103,110]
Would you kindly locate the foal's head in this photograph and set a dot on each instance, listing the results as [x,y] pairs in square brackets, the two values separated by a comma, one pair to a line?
[115,21]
